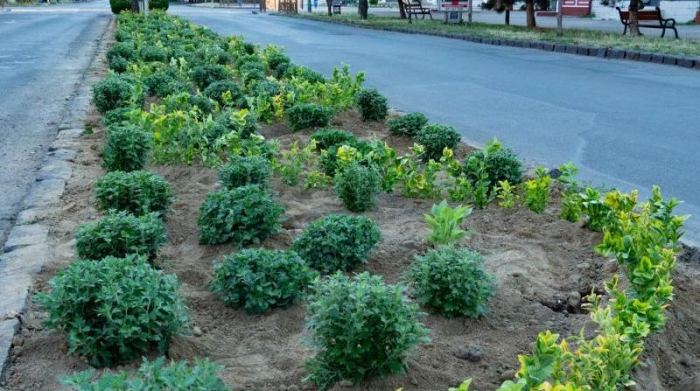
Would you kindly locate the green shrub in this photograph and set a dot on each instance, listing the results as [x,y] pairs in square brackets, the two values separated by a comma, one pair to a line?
[115,91]
[115,309]
[266,88]
[600,215]
[243,123]
[138,192]
[326,138]
[116,116]
[537,192]
[124,50]
[501,165]
[358,186]
[452,281]
[152,53]
[216,90]
[127,148]
[302,73]
[408,125]
[118,6]
[329,159]
[372,105]
[162,5]
[446,223]
[275,59]
[119,234]
[162,84]
[360,328]
[245,170]
[242,215]
[337,242]
[206,74]
[252,71]
[435,138]
[118,64]
[308,115]
[153,375]
[258,279]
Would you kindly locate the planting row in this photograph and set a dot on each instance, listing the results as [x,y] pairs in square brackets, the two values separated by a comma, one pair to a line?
[207,97]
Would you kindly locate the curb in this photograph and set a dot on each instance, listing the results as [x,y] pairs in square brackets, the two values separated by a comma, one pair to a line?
[591,51]
[27,247]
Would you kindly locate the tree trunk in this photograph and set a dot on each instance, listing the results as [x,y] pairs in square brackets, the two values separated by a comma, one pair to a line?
[530,10]
[329,3]
[507,16]
[633,22]
[135,5]
[402,10]
[363,9]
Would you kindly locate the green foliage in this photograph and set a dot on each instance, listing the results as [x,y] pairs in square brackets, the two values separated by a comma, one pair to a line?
[337,242]
[115,91]
[206,74]
[153,54]
[501,163]
[358,186]
[125,50]
[138,192]
[275,57]
[408,125]
[361,328]
[118,6]
[216,90]
[308,115]
[371,104]
[326,138]
[506,194]
[115,309]
[452,281]
[162,5]
[243,122]
[537,191]
[292,161]
[245,170]
[478,188]
[162,84]
[599,214]
[116,116]
[446,223]
[571,207]
[243,215]
[120,233]
[258,279]
[127,148]
[435,138]
[153,375]
[302,73]
[118,64]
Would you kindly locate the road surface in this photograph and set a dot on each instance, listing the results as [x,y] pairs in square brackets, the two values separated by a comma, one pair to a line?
[44,52]
[625,124]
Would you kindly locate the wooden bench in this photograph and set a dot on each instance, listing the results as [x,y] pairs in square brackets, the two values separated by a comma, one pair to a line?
[649,19]
[336,5]
[415,8]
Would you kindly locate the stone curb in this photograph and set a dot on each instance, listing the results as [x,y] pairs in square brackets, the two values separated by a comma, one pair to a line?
[611,53]
[27,247]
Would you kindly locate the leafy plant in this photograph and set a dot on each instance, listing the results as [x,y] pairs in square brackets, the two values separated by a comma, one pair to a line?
[537,191]
[127,148]
[592,205]
[119,234]
[115,91]
[153,375]
[138,192]
[571,207]
[326,138]
[206,74]
[217,89]
[124,50]
[435,138]
[452,281]
[501,163]
[446,223]
[337,242]
[506,194]
[153,54]
[360,327]
[308,115]
[371,104]
[115,309]
[357,186]
[245,170]
[258,279]
[243,215]
[478,188]
[408,125]
[315,179]
[292,161]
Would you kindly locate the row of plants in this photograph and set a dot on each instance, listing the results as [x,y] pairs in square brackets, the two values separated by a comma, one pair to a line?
[208,95]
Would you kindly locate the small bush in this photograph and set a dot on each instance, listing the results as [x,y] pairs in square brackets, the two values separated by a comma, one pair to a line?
[161,84]
[113,310]
[207,74]
[244,170]
[360,328]
[217,89]
[126,149]
[153,375]
[152,53]
[329,159]
[337,242]
[308,115]
[326,138]
[119,234]
[435,138]
[125,50]
[138,192]
[358,186]
[242,215]
[118,6]
[242,122]
[118,64]
[203,103]
[116,116]
[501,165]
[300,72]
[452,281]
[113,92]
[446,223]
[409,125]
[537,192]
[258,279]
[275,59]
[372,105]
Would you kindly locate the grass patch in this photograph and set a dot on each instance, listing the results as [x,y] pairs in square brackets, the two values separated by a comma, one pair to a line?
[688,47]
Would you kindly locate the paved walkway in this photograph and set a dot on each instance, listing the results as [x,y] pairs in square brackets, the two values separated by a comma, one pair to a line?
[626,124]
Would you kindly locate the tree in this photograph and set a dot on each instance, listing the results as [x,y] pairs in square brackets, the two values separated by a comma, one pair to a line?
[363,8]
[329,4]
[633,22]
[530,11]
[504,5]
[402,10]
[135,5]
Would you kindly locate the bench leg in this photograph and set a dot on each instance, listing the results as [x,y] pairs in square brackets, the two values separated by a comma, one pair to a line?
[675,31]
[663,32]
[625,31]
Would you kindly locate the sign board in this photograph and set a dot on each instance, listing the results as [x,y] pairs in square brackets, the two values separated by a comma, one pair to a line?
[453,5]
[576,7]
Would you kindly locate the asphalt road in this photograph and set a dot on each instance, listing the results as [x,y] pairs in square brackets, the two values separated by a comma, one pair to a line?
[625,124]
[44,52]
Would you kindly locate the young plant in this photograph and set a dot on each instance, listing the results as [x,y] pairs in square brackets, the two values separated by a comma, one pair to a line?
[446,223]
[245,170]
[501,164]
[308,115]
[435,138]
[258,279]
[537,191]
[506,194]
[116,91]
[337,242]
[243,215]
[571,207]
[292,161]
[478,189]
[120,234]
[115,309]
[357,186]
[599,214]
[360,328]
[127,148]
[452,281]
[371,104]
[326,138]
[408,125]
[138,192]
[316,179]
